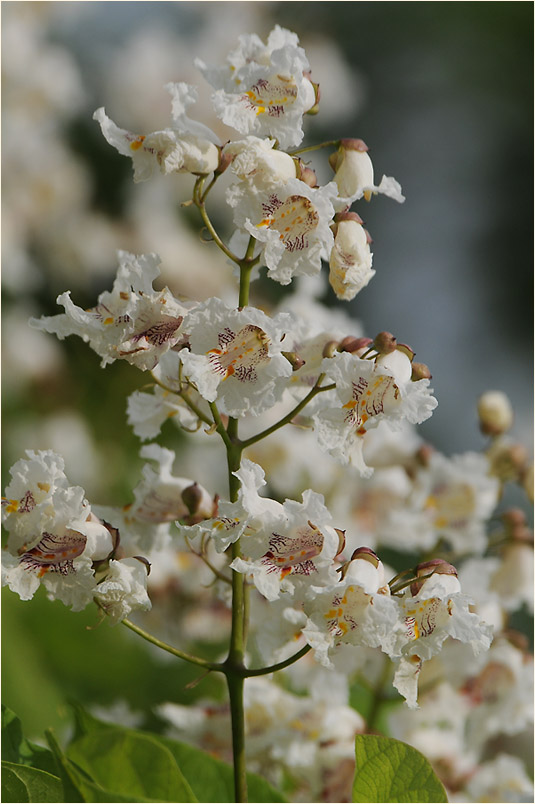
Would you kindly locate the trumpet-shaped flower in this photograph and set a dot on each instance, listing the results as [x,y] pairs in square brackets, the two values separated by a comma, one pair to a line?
[432,612]
[351,259]
[132,322]
[367,393]
[262,88]
[289,547]
[357,610]
[235,357]
[189,147]
[292,220]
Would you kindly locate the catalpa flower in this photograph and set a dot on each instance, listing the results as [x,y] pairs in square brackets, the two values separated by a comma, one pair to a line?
[188,147]
[257,161]
[235,357]
[132,322]
[262,89]
[39,498]
[287,547]
[357,610]
[368,392]
[353,175]
[433,610]
[53,535]
[292,220]
[160,499]
[350,262]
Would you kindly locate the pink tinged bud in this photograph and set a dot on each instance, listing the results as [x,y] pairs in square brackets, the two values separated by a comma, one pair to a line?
[225,159]
[350,144]
[306,174]
[420,372]
[354,345]
[366,554]
[426,568]
[295,361]
[495,413]
[385,343]
[406,349]
[348,216]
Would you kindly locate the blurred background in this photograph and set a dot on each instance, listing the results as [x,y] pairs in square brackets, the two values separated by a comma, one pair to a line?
[441,93]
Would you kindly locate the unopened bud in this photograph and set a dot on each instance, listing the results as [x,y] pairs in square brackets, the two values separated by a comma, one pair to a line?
[341,540]
[508,462]
[348,216]
[330,349]
[294,360]
[354,345]
[353,144]
[420,372]
[385,343]
[225,159]
[314,109]
[366,554]
[406,350]
[306,174]
[436,566]
[495,413]
[192,497]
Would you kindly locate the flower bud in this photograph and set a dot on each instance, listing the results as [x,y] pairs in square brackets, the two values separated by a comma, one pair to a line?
[350,260]
[341,540]
[508,461]
[354,345]
[406,350]
[385,343]
[225,158]
[305,173]
[353,169]
[192,496]
[330,349]
[366,554]
[420,372]
[495,413]
[295,361]
[317,94]
[144,561]
[426,568]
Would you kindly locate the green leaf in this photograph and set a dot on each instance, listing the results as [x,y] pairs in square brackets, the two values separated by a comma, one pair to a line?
[20,751]
[210,778]
[388,770]
[21,783]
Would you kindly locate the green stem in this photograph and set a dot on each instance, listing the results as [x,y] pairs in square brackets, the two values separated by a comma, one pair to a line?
[170,649]
[328,144]
[289,416]
[378,696]
[262,671]
[246,266]
[219,426]
[235,684]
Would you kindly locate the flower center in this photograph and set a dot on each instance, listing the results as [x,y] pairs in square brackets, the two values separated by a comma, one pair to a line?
[55,553]
[239,353]
[346,611]
[293,218]
[369,399]
[271,96]
[294,554]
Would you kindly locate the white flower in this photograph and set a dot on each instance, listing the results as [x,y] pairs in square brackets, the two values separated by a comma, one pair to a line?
[188,147]
[367,393]
[353,174]
[502,778]
[235,357]
[435,612]
[54,537]
[132,322]
[292,547]
[256,160]
[124,589]
[358,610]
[351,259]
[292,220]
[495,412]
[512,579]
[159,499]
[39,499]
[262,90]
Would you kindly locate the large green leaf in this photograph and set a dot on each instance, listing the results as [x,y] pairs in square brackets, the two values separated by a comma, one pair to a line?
[210,778]
[20,751]
[78,785]
[388,770]
[22,783]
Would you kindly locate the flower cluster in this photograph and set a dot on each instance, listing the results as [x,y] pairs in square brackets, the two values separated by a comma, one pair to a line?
[299,390]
